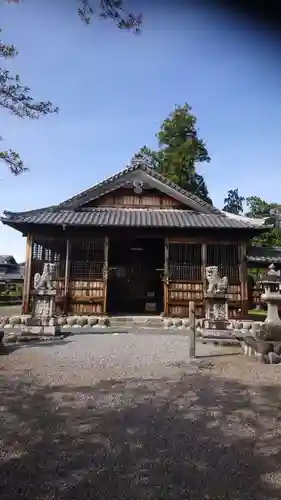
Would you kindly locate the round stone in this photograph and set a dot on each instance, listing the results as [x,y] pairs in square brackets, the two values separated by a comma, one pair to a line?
[277,349]
[274,358]
[263,347]
[61,320]
[186,322]
[71,320]
[82,321]
[177,322]
[168,323]
[15,320]
[103,321]
[265,359]
[92,321]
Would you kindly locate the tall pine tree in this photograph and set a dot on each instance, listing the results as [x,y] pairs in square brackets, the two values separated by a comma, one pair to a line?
[180,151]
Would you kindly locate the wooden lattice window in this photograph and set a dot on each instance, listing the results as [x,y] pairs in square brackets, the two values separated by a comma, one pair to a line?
[226,257]
[184,262]
[86,259]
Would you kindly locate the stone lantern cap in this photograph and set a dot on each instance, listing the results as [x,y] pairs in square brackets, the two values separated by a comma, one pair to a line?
[272,276]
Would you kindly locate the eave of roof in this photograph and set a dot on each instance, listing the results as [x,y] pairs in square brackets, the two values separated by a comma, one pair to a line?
[114,182]
[264,254]
[127,217]
[254,222]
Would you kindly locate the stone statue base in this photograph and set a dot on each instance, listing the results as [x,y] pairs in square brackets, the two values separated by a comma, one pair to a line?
[43,306]
[216,311]
[270,331]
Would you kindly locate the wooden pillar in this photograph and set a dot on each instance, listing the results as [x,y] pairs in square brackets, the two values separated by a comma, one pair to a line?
[166,277]
[66,274]
[203,261]
[243,275]
[27,275]
[203,273]
[105,273]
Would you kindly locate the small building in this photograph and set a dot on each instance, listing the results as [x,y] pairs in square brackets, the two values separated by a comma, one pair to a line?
[135,243]
[11,273]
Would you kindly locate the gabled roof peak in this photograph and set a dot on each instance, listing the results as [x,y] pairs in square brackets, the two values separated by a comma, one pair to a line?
[150,175]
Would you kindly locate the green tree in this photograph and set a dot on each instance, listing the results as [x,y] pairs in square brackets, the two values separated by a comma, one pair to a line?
[181,147]
[233,203]
[271,212]
[148,157]
[198,186]
[179,151]
[15,97]
[258,208]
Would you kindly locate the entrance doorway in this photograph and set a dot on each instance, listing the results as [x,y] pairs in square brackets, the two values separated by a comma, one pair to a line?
[136,268]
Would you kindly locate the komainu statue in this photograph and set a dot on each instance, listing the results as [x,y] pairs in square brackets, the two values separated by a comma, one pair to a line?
[216,284]
[44,281]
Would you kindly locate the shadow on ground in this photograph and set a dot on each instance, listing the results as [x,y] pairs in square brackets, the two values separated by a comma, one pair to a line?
[7,349]
[195,438]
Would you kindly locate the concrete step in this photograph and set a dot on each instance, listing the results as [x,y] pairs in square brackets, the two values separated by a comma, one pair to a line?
[136,321]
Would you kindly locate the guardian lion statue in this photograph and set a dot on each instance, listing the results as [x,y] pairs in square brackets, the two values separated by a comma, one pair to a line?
[216,284]
[44,281]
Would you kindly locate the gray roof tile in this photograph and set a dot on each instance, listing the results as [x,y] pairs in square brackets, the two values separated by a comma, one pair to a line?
[126,217]
[269,255]
[109,184]
[7,259]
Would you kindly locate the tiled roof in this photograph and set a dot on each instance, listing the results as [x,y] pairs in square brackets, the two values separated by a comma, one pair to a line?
[7,259]
[261,254]
[126,217]
[119,179]
[256,222]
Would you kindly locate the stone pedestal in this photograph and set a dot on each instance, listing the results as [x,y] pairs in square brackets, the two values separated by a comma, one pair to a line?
[216,311]
[271,329]
[44,305]
[265,342]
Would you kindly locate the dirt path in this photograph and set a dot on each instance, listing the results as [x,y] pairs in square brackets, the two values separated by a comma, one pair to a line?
[112,425]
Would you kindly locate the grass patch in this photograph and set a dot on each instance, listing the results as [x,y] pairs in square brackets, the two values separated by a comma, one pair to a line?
[257,312]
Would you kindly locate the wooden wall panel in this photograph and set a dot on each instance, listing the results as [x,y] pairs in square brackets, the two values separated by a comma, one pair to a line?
[185,282]
[86,288]
[187,262]
[127,198]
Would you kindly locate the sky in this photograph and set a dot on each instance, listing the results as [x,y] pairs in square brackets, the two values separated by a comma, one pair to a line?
[115,89]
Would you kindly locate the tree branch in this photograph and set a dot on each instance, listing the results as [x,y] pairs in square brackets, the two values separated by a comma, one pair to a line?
[113,10]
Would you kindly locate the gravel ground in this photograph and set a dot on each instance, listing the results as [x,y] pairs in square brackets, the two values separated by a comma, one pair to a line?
[128,417]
